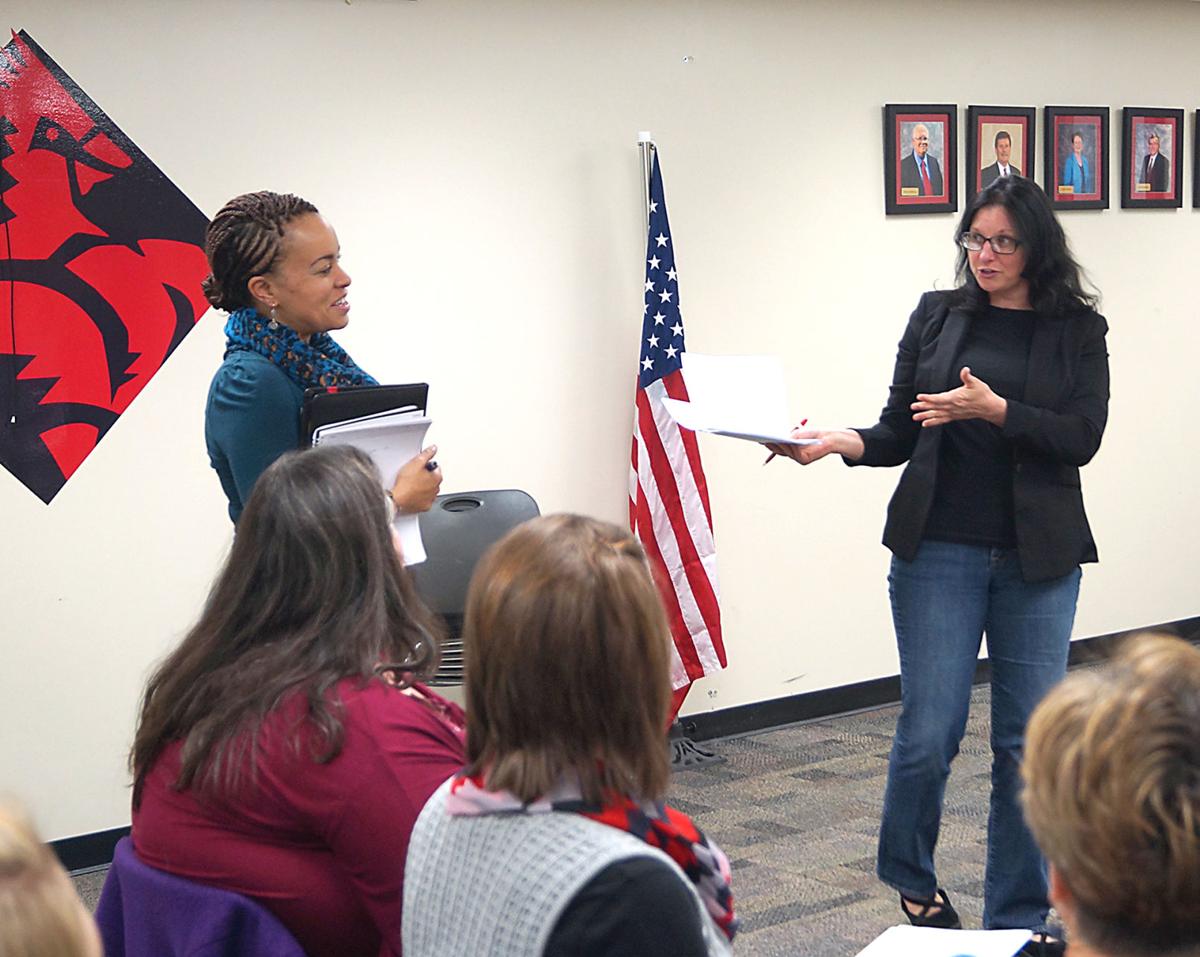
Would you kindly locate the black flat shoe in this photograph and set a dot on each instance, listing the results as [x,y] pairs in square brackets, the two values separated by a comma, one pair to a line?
[1043,945]
[935,912]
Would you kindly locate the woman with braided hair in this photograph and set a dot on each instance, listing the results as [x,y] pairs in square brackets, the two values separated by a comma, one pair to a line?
[276,270]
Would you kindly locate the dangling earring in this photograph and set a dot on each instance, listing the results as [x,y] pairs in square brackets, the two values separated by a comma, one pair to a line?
[273,325]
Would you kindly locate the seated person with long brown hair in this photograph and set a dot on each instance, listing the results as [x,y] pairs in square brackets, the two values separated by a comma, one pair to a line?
[1112,774]
[282,751]
[40,913]
[554,841]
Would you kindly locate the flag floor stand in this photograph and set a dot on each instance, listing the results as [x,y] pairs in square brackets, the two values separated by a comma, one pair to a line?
[686,755]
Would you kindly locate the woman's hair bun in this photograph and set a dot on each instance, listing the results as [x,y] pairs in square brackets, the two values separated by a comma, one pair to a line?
[214,293]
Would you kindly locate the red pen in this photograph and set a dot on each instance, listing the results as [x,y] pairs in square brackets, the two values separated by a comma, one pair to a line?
[803,422]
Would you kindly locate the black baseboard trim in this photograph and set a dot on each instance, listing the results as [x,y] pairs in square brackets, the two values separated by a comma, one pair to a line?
[88,851]
[878,692]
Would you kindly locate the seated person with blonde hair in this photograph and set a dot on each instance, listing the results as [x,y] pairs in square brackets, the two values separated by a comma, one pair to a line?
[1112,772]
[40,913]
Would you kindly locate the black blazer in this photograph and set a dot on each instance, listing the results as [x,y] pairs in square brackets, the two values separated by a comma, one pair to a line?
[1054,428]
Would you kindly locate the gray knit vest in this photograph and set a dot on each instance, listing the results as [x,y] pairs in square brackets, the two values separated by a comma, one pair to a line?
[497,884]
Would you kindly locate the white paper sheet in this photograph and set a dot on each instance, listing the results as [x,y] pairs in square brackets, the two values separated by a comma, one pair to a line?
[391,440]
[686,414]
[743,397]
[907,941]
[407,411]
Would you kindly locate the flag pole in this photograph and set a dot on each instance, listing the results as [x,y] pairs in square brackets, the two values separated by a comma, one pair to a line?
[684,752]
[646,145]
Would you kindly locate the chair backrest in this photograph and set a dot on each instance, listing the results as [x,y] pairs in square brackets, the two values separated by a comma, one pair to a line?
[457,531]
[145,912]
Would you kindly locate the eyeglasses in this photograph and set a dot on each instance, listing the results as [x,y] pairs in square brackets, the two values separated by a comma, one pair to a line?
[1001,245]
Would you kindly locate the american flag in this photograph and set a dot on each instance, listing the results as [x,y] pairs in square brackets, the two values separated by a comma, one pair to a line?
[668,495]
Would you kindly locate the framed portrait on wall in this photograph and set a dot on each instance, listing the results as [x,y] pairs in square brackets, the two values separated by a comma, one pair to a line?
[1000,142]
[1196,161]
[1151,157]
[1075,171]
[920,158]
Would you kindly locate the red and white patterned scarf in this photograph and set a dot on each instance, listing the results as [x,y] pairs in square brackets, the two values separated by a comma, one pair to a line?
[660,826]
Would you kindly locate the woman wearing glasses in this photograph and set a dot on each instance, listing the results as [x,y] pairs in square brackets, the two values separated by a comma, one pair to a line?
[999,395]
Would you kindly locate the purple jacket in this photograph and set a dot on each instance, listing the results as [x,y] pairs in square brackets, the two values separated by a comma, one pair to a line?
[145,912]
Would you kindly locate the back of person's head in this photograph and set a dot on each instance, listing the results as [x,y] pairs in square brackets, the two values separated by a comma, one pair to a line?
[1112,773]
[40,913]
[313,591]
[313,544]
[244,240]
[566,659]
[1055,279]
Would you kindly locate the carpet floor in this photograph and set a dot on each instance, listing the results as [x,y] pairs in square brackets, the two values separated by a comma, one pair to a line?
[797,811]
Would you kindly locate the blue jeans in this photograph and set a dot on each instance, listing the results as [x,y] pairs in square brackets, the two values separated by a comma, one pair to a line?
[942,603]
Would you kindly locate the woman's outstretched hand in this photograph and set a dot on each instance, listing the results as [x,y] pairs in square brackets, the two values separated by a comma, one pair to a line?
[974,399]
[845,442]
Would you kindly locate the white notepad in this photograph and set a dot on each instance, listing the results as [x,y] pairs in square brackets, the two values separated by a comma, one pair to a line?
[391,439]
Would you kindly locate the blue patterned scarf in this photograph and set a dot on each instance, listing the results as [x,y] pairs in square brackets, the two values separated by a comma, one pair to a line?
[318,363]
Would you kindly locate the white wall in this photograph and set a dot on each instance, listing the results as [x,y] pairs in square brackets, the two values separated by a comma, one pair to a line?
[478,160]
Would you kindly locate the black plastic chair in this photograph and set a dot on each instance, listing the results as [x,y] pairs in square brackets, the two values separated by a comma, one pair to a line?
[456,532]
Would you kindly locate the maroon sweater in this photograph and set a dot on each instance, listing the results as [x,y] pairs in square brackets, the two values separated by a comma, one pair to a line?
[320,845]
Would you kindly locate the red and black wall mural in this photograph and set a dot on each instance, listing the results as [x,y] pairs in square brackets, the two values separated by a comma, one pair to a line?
[101,259]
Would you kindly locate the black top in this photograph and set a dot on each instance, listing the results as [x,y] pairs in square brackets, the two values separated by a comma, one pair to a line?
[635,906]
[973,496]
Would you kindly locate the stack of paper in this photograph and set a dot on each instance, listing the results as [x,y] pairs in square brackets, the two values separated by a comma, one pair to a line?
[906,941]
[391,438]
[744,397]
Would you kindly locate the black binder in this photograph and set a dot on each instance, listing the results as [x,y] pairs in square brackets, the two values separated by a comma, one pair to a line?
[323,406]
